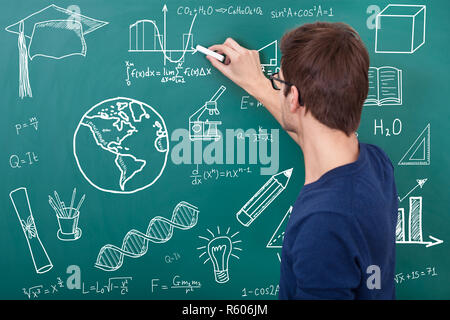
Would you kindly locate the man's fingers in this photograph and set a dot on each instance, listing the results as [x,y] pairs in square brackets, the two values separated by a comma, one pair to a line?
[217,64]
[230,52]
[233,44]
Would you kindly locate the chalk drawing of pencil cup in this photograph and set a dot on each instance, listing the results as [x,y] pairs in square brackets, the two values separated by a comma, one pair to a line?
[68,225]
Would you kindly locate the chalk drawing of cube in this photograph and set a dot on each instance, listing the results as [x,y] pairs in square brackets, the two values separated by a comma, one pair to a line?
[400,28]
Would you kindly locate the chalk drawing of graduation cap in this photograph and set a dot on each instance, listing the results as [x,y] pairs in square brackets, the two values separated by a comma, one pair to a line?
[52,32]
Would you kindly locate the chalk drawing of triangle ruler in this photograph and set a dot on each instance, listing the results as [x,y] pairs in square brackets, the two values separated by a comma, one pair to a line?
[135,243]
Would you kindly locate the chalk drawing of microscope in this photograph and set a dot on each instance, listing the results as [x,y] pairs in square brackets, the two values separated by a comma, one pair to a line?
[203,124]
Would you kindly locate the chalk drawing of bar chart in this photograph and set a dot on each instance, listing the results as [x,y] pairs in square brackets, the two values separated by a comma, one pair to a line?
[414,223]
[144,36]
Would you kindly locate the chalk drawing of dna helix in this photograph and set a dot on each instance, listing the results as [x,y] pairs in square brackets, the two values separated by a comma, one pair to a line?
[135,243]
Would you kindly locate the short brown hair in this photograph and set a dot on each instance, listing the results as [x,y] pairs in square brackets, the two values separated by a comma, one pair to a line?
[329,64]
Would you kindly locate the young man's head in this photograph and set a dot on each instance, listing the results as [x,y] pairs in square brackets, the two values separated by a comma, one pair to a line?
[326,66]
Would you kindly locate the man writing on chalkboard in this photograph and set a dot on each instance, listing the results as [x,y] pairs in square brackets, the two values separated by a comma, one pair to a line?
[340,239]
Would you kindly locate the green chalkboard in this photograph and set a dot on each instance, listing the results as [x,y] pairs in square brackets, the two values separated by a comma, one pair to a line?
[111,98]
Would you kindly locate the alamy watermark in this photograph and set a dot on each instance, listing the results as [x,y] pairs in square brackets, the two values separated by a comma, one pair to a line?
[235,146]
[374,280]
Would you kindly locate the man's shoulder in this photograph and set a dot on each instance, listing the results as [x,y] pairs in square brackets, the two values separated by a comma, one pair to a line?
[369,180]
[332,195]
[376,180]
[375,153]
[322,204]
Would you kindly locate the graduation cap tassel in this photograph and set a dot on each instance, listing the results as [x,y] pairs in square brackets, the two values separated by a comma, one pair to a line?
[24,82]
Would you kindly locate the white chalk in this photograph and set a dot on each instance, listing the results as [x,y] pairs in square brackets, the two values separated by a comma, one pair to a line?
[208,52]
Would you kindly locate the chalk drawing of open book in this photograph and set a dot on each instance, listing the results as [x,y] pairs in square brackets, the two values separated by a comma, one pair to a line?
[385,86]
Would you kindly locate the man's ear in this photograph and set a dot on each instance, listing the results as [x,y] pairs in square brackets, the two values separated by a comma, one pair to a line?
[294,105]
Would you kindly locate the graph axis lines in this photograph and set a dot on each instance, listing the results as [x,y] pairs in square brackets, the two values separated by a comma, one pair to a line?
[161,40]
[415,223]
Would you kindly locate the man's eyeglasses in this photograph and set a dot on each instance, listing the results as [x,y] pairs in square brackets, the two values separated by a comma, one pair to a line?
[274,77]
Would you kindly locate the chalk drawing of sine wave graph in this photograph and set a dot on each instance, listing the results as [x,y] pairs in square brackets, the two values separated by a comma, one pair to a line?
[144,36]
[159,230]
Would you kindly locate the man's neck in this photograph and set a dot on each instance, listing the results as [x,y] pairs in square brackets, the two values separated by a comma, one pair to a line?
[326,149]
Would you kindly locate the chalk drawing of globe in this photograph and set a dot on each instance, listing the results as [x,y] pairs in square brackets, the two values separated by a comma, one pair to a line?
[121,145]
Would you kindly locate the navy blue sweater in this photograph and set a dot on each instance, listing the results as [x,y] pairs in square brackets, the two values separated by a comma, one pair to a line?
[339,226]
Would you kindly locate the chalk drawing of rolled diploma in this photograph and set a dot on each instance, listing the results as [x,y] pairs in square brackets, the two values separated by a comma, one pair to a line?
[21,203]
[263,197]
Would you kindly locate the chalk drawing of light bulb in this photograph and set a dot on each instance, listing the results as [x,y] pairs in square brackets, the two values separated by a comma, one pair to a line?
[219,250]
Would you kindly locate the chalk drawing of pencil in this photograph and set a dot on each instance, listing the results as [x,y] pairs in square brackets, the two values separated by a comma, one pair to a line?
[261,199]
